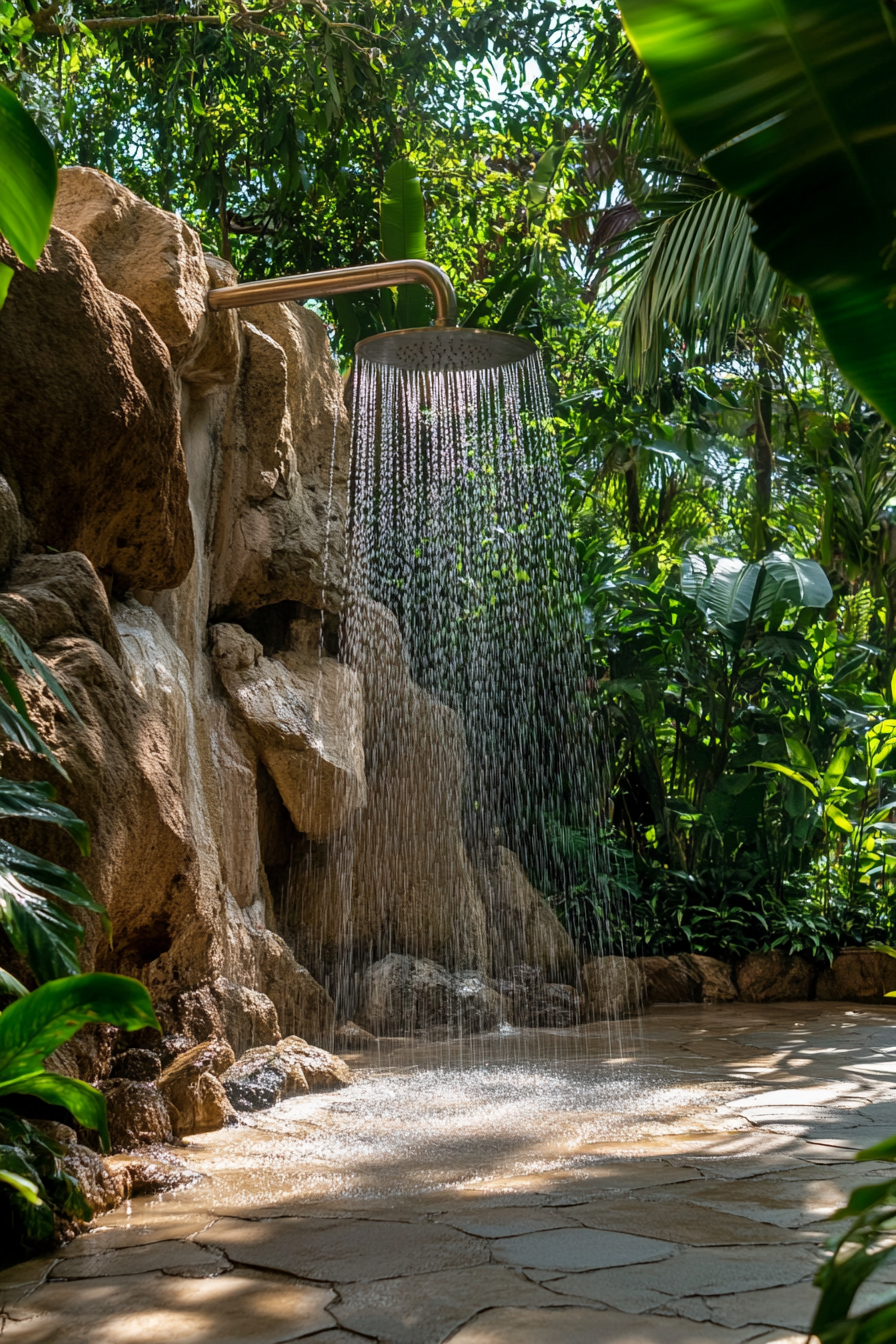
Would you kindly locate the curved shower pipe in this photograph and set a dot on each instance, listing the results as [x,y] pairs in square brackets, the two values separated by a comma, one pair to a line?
[348,280]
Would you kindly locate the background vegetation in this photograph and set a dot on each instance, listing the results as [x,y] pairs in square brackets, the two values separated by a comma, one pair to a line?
[712,449]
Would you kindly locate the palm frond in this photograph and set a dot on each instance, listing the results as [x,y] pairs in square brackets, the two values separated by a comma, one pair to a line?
[692,275]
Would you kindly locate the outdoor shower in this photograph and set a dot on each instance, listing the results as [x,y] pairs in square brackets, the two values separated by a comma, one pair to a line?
[443,347]
[456,527]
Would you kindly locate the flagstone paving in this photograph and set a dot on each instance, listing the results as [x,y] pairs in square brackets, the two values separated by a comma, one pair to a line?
[657,1183]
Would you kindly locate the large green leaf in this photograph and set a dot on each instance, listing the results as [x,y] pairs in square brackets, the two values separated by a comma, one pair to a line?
[27,181]
[789,104]
[42,933]
[403,238]
[34,1026]
[86,1104]
[734,593]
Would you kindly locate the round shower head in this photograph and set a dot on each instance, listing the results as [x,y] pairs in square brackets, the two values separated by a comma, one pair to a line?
[444,349]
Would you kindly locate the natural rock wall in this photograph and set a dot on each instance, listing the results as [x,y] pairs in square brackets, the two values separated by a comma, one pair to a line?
[267,813]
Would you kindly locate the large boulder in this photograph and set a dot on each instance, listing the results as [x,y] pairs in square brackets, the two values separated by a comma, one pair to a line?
[768,977]
[668,980]
[401,995]
[191,1086]
[858,975]
[95,459]
[522,927]
[137,1113]
[146,254]
[124,776]
[305,717]
[398,878]
[241,1016]
[280,530]
[11,530]
[714,977]
[304,1008]
[613,987]
[531,1001]
[267,1075]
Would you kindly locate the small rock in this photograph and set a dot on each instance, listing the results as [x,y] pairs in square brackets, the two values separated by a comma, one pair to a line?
[614,987]
[144,1066]
[136,1112]
[349,1036]
[768,977]
[668,980]
[172,1047]
[716,984]
[148,1175]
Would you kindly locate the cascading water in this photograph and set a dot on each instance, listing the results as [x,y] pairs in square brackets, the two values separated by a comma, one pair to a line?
[457,528]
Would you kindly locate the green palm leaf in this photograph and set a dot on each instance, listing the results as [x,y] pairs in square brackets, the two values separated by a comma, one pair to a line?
[789,106]
[694,269]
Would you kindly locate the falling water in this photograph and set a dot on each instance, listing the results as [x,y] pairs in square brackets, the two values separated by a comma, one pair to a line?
[463,622]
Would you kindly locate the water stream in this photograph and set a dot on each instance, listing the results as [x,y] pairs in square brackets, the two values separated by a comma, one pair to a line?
[463,618]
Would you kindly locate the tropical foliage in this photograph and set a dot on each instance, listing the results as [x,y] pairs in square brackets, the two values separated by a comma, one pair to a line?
[36,1187]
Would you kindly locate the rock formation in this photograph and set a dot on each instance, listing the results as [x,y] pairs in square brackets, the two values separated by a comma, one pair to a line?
[273,810]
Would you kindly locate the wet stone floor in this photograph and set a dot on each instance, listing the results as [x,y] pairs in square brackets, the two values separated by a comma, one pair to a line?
[661,1182]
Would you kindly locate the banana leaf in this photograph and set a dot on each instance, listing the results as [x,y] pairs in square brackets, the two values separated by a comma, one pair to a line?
[789,104]
[403,237]
[27,185]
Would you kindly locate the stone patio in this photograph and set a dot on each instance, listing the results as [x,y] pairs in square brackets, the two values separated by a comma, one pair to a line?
[657,1183]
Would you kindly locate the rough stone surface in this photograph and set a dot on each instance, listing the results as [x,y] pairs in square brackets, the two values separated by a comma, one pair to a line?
[242,1016]
[306,720]
[401,994]
[304,1008]
[11,530]
[103,1187]
[531,1002]
[148,255]
[521,924]
[281,527]
[668,980]
[142,1066]
[716,982]
[107,386]
[334,1250]
[349,1036]
[265,1076]
[398,880]
[137,1113]
[171,1047]
[214,361]
[191,1088]
[223,1309]
[143,862]
[858,975]
[613,987]
[764,977]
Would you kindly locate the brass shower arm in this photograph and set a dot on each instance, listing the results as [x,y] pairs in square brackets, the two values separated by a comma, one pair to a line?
[349,280]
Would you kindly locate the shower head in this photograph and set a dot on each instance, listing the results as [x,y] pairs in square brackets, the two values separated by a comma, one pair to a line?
[444,349]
